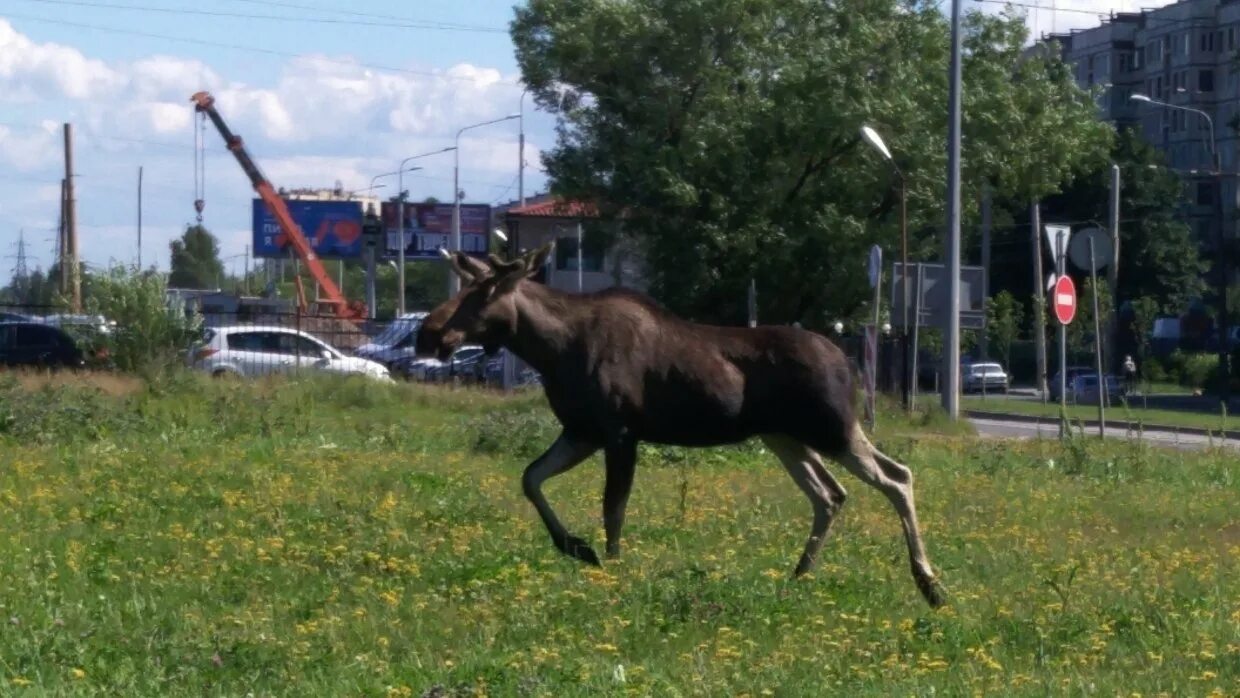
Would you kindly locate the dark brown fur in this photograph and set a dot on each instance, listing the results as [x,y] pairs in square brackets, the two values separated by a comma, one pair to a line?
[618,369]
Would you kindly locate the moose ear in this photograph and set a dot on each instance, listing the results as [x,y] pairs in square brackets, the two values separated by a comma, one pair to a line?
[466,267]
[502,268]
[536,259]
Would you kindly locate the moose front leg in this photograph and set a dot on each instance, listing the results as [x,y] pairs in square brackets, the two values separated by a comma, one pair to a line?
[621,462]
[565,454]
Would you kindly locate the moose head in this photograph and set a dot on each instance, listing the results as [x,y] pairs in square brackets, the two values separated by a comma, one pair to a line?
[485,310]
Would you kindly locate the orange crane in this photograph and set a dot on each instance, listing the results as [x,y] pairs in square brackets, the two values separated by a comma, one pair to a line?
[291,232]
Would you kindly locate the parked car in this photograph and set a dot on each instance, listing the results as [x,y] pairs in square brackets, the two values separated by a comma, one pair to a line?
[1073,372]
[465,362]
[256,350]
[95,323]
[1084,389]
[36,345]
[983,377]
[394,344]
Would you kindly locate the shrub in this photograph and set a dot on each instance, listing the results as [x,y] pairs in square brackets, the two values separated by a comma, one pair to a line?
[149,334]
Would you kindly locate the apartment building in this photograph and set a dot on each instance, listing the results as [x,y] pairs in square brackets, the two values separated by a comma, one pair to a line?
[1183,54]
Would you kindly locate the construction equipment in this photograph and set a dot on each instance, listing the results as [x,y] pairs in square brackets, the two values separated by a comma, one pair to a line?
[290,232]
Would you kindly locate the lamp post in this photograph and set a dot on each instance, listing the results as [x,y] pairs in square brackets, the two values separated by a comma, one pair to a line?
[1221,243]
[454,282]
[370,267]
[521,149]
[400,226]
[872,137]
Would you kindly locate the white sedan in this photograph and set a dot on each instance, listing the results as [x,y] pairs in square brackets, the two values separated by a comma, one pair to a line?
[255,350]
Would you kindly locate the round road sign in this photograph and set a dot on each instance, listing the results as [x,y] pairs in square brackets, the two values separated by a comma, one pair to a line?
[1063,300]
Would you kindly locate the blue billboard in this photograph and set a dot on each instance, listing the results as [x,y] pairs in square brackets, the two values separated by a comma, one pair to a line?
[333,228]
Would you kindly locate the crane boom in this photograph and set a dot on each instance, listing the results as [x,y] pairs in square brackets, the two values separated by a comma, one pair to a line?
[204,102]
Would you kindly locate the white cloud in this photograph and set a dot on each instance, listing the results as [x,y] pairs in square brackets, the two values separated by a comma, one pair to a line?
[30,71]
[29,149]
[325,118]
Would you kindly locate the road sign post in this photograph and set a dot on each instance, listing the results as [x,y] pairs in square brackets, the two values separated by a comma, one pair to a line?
[1063,300]
[871,337]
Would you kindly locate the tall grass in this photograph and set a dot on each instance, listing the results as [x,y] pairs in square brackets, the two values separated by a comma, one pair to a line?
[334,537]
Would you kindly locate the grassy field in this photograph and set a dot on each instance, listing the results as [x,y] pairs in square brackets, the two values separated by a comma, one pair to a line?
[337,538]
[1131,412]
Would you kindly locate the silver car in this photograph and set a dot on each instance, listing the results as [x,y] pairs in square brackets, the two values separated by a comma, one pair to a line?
[258,350]
[983,377]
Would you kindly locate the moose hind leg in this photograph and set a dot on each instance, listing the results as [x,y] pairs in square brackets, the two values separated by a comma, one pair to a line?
[895,481]
[565,454]
[824,493]
[621,461]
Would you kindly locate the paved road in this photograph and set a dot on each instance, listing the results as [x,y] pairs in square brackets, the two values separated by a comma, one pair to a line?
[995,428]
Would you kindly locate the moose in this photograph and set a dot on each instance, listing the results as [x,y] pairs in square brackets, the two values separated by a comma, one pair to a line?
[618,369]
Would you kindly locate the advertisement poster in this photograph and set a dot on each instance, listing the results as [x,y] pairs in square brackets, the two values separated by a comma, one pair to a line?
[333,228]
[428,227]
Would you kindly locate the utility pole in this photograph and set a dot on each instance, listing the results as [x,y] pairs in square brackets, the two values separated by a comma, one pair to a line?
[62,239]
[1113,266]
[1039,300]
[951,338]
[75,271]
[983,339]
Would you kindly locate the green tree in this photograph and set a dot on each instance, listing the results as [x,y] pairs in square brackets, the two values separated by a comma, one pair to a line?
[727,132]
[1158,256]
[1144,311]
[1004,316]
[196,260]
[149,331]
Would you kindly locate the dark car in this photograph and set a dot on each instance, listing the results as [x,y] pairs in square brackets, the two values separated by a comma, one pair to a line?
[36,345]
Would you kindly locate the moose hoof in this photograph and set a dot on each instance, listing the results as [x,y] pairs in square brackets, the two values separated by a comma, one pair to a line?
[932,590]
[578,548]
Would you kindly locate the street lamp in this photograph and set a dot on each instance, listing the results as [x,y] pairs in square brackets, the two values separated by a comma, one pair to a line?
[871,136]
[521,149]
[454,282]
[1223,324]
[400,225]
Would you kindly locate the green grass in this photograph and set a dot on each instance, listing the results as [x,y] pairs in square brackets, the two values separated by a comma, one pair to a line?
[1132,412]
[338,538]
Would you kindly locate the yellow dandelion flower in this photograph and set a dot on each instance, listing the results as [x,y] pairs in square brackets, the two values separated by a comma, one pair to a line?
[78,674]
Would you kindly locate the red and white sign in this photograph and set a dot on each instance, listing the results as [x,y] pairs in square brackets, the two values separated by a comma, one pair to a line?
[1063,300]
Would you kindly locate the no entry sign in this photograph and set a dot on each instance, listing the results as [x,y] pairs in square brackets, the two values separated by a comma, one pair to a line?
[1063,300]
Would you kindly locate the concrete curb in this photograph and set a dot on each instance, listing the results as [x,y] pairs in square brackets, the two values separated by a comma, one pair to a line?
[1111,424]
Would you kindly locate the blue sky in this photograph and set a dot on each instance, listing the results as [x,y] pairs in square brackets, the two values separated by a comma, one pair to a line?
[341,98]
[318,101]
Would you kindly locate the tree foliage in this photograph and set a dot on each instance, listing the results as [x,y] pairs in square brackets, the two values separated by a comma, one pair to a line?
[1158,256]
[196,260]
[727,133]
[149,331]
[1003,322]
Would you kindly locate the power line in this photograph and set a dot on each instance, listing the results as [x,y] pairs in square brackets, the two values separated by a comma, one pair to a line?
[252,49]
[1033,6]
[393,23]
[353,13]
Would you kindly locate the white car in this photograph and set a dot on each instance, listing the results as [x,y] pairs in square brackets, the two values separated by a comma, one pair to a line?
[257,350]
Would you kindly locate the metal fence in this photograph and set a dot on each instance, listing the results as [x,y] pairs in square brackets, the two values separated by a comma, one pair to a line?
[262,342]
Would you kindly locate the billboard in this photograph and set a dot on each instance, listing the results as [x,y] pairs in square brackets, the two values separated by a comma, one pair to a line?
[429,227]
[333,228]
[934,305]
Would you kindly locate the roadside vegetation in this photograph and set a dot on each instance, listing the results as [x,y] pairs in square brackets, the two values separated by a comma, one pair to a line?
[183,536]
[1132,411]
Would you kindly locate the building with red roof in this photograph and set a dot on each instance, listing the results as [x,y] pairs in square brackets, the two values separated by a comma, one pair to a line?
[546,217]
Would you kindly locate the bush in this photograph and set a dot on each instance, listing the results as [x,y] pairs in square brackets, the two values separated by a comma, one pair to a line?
[149,334]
